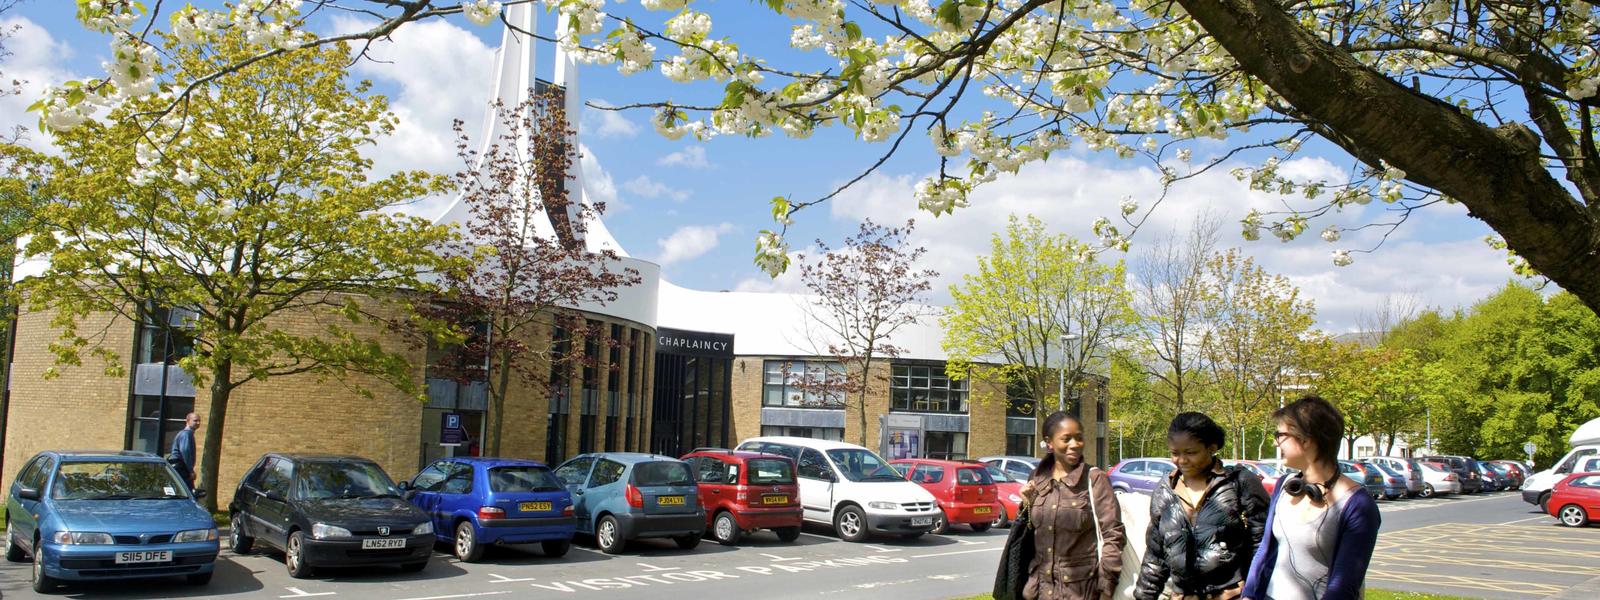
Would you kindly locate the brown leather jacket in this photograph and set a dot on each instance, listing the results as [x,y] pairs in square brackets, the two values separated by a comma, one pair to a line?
[1064,565]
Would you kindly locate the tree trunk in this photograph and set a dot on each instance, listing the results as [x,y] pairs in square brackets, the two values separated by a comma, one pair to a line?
[861,399]
[498,401]
[216,420]
[1496,172]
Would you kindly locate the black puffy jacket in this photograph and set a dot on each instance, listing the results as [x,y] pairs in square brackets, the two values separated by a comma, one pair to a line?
[1213,552]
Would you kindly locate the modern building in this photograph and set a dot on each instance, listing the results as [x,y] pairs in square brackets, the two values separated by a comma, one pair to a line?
[679,369]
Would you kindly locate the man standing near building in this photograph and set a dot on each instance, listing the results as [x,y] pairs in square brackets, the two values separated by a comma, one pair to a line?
[182,454]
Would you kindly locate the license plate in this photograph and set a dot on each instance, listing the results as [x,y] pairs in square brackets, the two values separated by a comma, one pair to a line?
[921,521]
[143,556]
[775,500]
[982,510]
[382,543]
[534,507]
[669,500]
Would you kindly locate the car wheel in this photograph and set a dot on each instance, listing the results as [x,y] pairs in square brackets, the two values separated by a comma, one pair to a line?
[415,567]
[1000,519]
[1544,502]
[467,547]
[726,529]
[556,548]
[608,537]
[14,552]
[42,583]
[940,525]
[787,534]
[1427,490]
[1572,515]
[687,542]
[851,524]
[294,556]
[237,540]
[198,579]
[981,527]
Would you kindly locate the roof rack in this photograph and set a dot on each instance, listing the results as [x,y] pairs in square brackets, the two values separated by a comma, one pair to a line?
[708,449]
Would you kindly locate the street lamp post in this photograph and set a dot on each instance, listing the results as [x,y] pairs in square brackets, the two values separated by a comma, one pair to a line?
[1061,393]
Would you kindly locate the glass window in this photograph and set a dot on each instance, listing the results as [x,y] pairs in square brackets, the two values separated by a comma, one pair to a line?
[973,476]
[1589,481]
[586,425]
[576,471]
[523,479]
[945,445]
[1019,445]
[707,470]
[926,388]
[661,472]
[863,465]
[459,480]
[927,474]
[1019,469]
[804,384]
[329,479]
[606,473]
[276,479]
[771,471]
[835,434]
[999,475]
[156,423]
[30,472]
[1159,469]
[1132,467]
[430,479]
[116,480]
[813,466]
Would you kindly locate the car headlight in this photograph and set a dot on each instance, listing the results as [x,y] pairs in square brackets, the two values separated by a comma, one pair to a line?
[883,505]
[425,528]
[195,535]
[1015,499]
[324,531]
[82,537]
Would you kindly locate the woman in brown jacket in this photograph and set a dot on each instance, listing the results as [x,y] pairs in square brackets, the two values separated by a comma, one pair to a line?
[1066,563]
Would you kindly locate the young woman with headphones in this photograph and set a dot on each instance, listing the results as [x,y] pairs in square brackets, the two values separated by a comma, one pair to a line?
[1321,525]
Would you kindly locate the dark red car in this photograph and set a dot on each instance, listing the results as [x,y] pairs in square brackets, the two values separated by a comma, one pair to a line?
[746,491]
[1009,488]
[966,493]
[1575,501]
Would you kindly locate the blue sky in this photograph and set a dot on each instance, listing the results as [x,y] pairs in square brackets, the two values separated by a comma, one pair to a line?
[696,207]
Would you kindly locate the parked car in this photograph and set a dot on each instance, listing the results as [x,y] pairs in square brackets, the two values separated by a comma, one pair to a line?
[1438,479]
[326,511]
[1141,475]
[1515,471]
[1267,472]
[1394,484]
[743,492]
[1010,492]
[1409,469]
[1575,501]
[1368,478]
[1493,481]
[965,491]
[478,502]
[852,489]
[1471,480]
[619,497]
[1536,488]
[102,515]
[1019,467]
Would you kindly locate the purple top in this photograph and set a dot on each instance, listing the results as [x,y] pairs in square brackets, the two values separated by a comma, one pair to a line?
[1358,534]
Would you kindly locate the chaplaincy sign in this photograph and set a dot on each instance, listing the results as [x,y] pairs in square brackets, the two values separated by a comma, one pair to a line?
[694,343]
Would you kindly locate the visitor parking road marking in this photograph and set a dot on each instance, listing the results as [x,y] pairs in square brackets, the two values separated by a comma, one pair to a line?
[299,593]
[503,579]
[955,553]
[1531,560]
[776,558]
[471,595]
[649,568]
[882,549]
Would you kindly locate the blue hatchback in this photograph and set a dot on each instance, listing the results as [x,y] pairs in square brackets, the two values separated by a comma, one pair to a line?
[624,496]
[478,502]
[106,515]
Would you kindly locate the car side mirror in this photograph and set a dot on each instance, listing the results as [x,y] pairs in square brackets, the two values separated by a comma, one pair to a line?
[198,494]
[273,495]
[28,493]
[405,486]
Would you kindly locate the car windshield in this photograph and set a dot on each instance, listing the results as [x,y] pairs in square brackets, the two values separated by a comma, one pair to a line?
[1269,469]
[661,473]
[1387,470]
[973,476]
[998,474]
[1435,467]
[523,479]
[328,479]
[771,471]
[117,480]
[863,465]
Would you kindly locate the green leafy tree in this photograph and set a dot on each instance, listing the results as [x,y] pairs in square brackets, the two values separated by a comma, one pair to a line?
[251,207]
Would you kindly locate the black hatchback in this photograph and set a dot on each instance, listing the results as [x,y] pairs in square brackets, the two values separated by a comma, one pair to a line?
[328,511]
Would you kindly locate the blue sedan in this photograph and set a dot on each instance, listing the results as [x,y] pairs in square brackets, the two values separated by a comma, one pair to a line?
[478,502]
[105,515]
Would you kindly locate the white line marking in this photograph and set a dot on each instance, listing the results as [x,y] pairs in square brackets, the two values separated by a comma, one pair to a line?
[957,552]
[883,549]
[776,558]
[503,579]
[969,542]
[649,568]
[820,537]
[1540,517]
[472,595]
[299,593]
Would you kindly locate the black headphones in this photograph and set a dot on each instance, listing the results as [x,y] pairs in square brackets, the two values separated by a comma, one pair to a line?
[1297,486]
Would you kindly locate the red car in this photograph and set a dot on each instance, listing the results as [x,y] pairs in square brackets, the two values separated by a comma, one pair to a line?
[966,493]
[746,491]
[1514,471]
[1266,472]
[1010,492]
[1575,501]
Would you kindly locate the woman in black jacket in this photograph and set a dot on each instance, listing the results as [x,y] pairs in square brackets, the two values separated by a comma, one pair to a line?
[1205,520]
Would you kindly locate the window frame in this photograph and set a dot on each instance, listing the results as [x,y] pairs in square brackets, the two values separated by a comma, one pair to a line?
[790,374]
[941,394]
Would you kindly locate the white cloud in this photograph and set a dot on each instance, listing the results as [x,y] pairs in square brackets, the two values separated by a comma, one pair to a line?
[690,241]
[693,157]
[597,183]
[606,123]
[37,61]
[1068,195]
[645,187]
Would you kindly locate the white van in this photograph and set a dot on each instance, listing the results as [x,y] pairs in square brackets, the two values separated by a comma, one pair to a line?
[852,489]
[1536,490]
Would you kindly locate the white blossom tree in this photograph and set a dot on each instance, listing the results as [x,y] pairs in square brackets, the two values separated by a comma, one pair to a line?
[1487,103]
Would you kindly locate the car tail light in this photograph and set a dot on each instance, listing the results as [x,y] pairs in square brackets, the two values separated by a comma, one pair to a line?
[635,499]
[567,512]
[486,513]
[1449,477]
[742,497]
